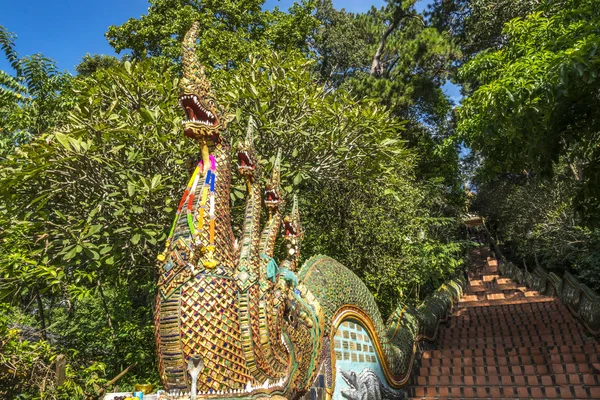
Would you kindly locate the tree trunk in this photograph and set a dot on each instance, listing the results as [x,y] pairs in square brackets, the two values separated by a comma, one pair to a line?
[106,311]
[376,68]
[115,379]
[41,314]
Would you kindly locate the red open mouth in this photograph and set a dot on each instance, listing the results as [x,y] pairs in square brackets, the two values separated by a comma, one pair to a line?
[271,197]
[289,229]
[196,112]
[244,161]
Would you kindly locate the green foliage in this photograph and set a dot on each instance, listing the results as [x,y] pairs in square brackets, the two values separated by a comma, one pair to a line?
[418,60]
[92,63]
[476,25]
[535,219]
[389,237]
[229,30]
[536,99]
[412,61]
[323,135]
[87,206]
[339,42]
[31,101]
[27,365]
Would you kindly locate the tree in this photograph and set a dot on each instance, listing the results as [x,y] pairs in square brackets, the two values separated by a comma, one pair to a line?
[230,30]
[477,25]
[92,63]
[95,196]
[536,99]
[393,15]
[413,62]
[31,100]
[533,218]
[339,42]
[396,240]
[323,135]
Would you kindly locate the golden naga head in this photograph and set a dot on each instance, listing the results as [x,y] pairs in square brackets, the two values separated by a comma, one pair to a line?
[293,232]
[247,159]
[272,194]
[205,120]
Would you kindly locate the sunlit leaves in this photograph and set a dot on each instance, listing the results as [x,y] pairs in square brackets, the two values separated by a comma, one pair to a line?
[97,191]
[536,97]
[477,25]
[323,135]
[230,30]
[389,237]
[31,99]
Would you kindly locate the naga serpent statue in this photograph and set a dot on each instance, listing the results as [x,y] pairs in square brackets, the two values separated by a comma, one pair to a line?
[264,330]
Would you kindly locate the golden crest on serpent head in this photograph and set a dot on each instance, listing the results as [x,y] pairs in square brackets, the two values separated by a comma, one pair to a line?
[205,120]
[246,155]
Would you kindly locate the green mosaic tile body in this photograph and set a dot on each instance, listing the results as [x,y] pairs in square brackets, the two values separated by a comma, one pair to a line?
[555,285]
[539,280]
[589,310]
[571,291]
[528,278]
[319,272]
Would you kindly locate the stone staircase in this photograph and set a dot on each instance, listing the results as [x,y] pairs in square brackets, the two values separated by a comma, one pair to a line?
[503,340]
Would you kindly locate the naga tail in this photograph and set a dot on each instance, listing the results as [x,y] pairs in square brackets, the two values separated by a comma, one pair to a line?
[408,325]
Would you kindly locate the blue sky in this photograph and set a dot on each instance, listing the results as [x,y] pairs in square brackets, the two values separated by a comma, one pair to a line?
[68,29]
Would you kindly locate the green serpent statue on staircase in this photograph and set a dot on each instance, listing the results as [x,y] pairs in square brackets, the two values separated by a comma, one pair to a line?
[264,330]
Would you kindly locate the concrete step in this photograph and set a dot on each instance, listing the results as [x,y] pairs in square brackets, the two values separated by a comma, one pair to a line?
[486,372]
[588,349]
[587,379]
[504,340]
[545,340]
[505,392]
[487,303]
